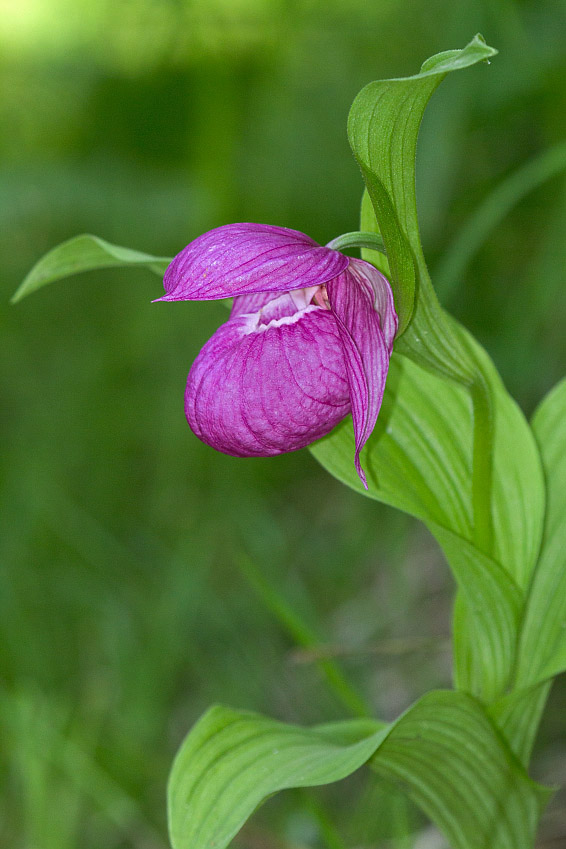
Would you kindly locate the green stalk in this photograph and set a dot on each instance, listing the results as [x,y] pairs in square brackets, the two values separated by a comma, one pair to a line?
[357,239]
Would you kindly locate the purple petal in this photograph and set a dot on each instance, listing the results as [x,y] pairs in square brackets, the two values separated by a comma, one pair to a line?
[246,304]
[367,337]
[383,302]
[269,383]
[239,259]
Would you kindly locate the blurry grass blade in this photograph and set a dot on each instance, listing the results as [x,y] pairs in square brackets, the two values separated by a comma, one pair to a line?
[58,771]
[232,761]
[543,639]
[330,835]
[303,636]
[492,211]
[444,750]
[85,253]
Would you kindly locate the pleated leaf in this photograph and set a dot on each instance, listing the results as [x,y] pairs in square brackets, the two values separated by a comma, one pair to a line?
[232,761]
[488,617]
[542,652]
[518,715]
[452,761]
[419,459]
[444,750]
[518,494]
[85,253]
[383,127]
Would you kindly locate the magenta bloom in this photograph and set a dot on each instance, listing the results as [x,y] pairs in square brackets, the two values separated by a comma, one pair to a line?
[307,342]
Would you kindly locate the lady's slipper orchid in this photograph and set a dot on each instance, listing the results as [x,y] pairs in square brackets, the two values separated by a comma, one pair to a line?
[308,340]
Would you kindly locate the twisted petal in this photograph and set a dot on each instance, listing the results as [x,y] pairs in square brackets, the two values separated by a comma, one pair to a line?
[367,338]
[240,259]
[270,382]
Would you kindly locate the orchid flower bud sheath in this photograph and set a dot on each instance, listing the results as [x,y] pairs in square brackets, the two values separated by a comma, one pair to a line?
[308,340]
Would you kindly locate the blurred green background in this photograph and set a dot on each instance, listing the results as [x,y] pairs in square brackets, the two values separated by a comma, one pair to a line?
[124,608]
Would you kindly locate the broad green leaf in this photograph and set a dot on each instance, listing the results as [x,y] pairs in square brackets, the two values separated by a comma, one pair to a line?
[416,459]
[383,127]
[444,750]
[368,224]
[419,459]
[542,651]
[479,386]
[518,494]
[232,761]
[456,767]
[84,253]
[485,629]
[518,716]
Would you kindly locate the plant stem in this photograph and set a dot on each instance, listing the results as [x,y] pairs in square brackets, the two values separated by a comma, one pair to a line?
[357,239]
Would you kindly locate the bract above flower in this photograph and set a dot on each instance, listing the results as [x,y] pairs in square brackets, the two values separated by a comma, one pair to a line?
[307,342]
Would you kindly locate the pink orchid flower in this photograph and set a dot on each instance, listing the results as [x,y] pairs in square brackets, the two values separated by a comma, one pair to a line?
[308,340]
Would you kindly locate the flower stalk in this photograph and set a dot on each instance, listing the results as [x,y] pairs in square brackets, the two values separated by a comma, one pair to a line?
[358,239]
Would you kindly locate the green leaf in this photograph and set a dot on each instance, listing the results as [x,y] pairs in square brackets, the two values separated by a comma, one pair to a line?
[416,458]
[444,750]
[419,459]
[518,715]
[542,652]
[457,768]
[84,253]
[518,494]
[383,127]
[233,760]
[368,224]
[487,620]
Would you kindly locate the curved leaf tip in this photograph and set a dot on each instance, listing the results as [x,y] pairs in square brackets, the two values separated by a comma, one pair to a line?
[383,126]
[450,60]
[84,253]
